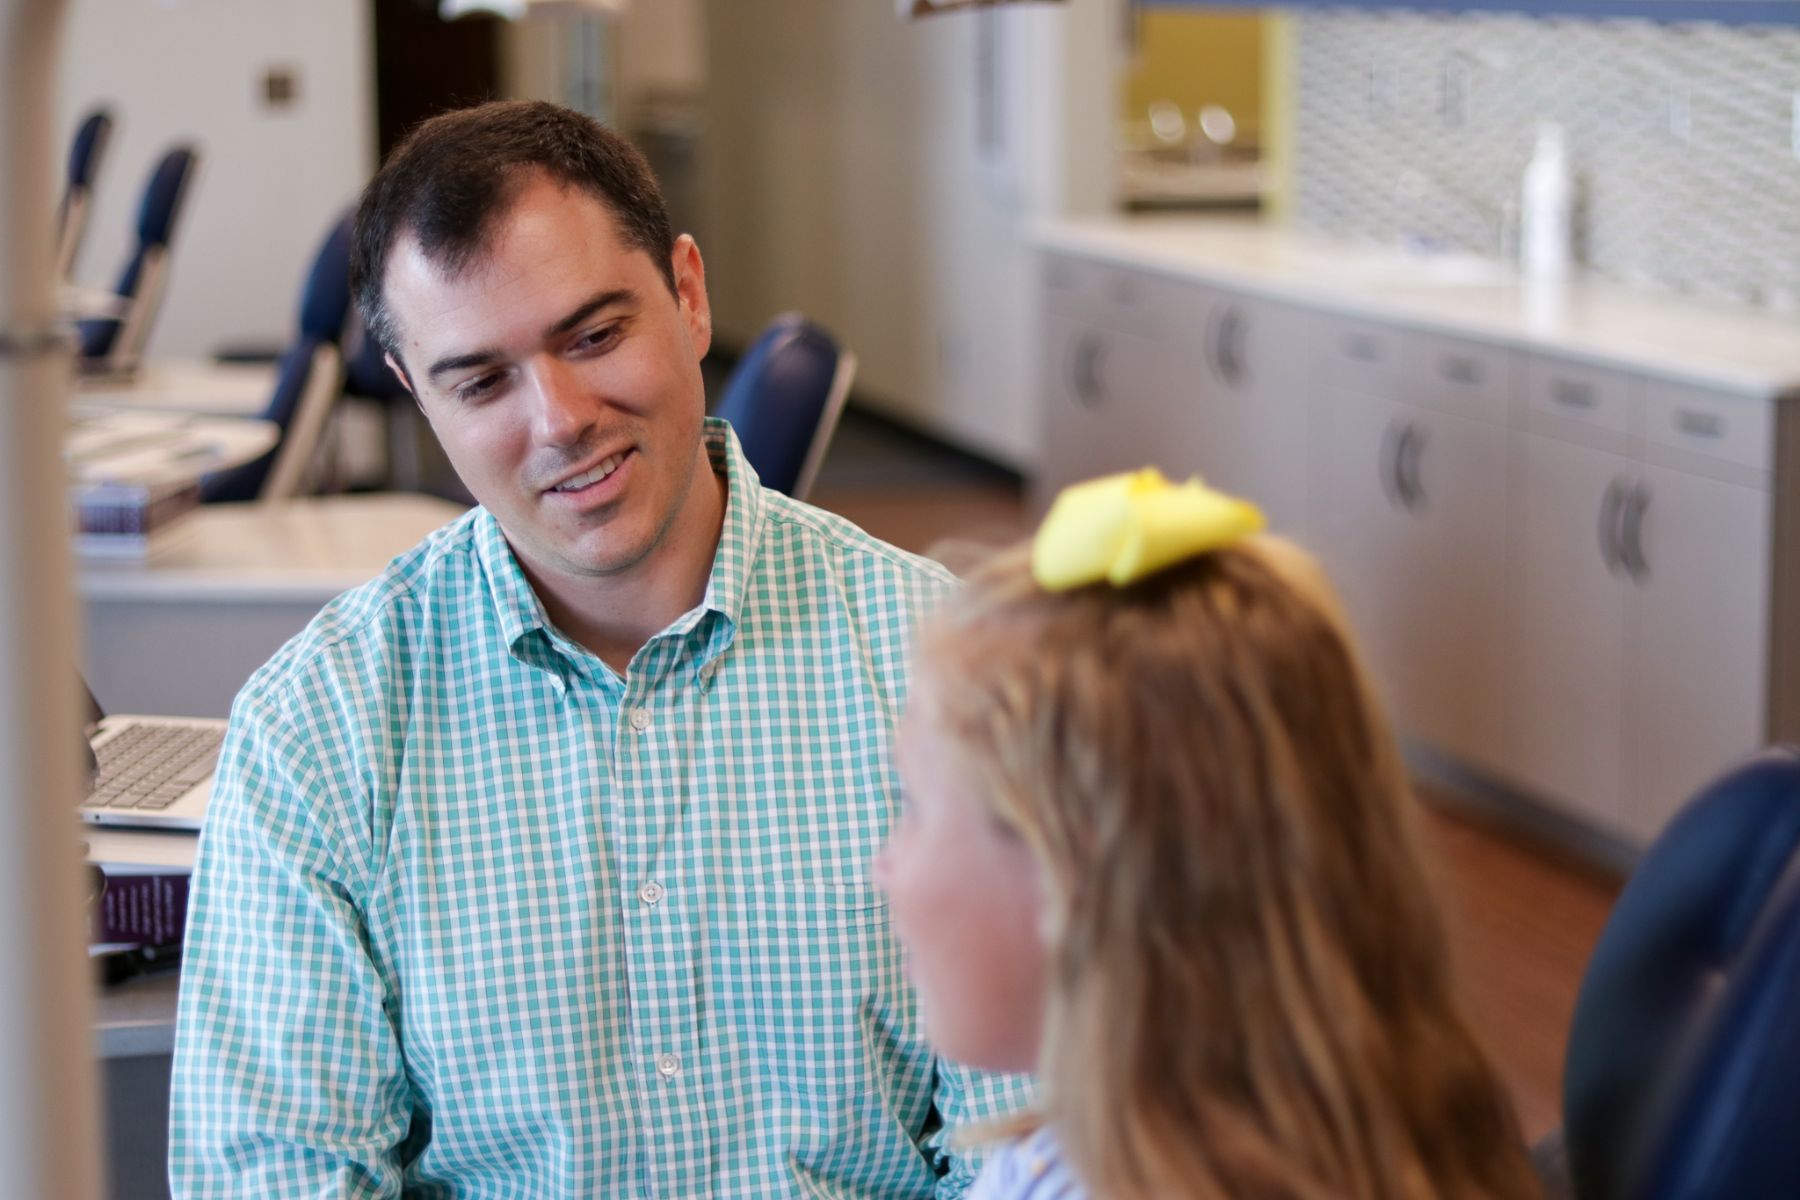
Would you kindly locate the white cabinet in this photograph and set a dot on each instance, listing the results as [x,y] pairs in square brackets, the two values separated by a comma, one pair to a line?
[1565,679]
[1560,573]
[1639,598]
[1698,627]
[1112,372]
[1111,398]
[1247,385]
[1141,370]
[1410,518]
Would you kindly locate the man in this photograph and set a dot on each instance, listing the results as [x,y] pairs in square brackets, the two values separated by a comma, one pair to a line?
[536,866]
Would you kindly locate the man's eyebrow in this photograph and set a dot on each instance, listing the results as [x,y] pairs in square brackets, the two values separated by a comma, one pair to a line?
[596,303]
[458,362]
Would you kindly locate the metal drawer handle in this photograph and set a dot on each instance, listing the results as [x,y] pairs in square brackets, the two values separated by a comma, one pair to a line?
[1570,393]
[1407,463]
[1398,466]
[1387,468]
[1460,368]
[1362,347]
[1609,527]
[1631,534]
[1228,347]
[1703,425]
[1084,370]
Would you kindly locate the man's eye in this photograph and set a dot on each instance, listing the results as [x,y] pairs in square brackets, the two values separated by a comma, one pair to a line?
[478,387]
[598,339]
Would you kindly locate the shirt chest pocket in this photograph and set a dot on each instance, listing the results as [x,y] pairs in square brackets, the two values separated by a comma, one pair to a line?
[820,975]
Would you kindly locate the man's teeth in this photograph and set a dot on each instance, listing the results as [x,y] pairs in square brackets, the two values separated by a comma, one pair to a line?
[594,476]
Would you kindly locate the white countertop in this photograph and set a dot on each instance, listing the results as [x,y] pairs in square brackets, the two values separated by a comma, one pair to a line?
[1741,349]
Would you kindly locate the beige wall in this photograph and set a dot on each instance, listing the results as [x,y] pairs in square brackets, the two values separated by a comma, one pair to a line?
[844,175]
[271,179]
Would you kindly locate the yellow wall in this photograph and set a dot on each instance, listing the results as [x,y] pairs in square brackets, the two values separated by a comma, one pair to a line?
[1196,58]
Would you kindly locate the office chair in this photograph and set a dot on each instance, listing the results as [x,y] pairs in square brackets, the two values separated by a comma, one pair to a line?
[1683,1072]
[85,155]
[784,399]
[116,344]
[309,377]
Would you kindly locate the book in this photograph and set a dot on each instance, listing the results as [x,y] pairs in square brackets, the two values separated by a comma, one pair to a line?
[129,518]
[140,910]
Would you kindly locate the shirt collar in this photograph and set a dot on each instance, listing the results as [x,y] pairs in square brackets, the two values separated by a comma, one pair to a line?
[745,514]
[521,614]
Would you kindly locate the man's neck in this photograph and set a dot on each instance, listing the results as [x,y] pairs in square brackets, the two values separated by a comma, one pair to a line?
[615,617]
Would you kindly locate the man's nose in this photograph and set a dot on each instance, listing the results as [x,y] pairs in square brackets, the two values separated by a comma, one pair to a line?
[565,410]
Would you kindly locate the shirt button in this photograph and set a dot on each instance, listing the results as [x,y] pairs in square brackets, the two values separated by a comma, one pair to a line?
[651,892]
[708,669]
[668,1066]
[640,719]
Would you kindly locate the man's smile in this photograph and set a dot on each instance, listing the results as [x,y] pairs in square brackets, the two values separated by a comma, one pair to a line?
[596,484]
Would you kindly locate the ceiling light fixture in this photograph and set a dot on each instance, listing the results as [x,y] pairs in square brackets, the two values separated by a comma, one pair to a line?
[513,10]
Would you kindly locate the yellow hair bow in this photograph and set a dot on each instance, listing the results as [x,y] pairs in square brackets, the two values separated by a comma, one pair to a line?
[1121,528]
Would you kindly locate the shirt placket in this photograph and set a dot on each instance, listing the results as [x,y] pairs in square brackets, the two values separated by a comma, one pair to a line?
[658,887]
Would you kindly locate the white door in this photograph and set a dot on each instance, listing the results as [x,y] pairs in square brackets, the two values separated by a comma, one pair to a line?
[1699,624]
[1565,680]
[1413,528]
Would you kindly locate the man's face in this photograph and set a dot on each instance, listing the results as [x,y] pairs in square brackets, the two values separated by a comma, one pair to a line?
[562,378]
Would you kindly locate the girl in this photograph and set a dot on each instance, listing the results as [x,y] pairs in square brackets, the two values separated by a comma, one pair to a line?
[1158,848]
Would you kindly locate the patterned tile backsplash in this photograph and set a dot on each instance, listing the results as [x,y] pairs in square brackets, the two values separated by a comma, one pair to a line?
[1684,140]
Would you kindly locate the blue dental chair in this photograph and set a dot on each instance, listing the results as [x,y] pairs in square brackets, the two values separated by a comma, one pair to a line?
[1683,1073]
[784,398]
[309,378]
[114,345]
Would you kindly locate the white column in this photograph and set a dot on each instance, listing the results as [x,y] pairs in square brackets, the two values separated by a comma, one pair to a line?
[47,1142]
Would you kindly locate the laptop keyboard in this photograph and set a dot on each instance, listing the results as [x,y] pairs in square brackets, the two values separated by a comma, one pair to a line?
[149,767]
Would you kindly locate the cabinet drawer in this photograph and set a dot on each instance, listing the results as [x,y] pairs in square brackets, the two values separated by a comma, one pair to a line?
[1064,277]
[1470,378]
[1359,355]
[1593,395]
[1117,297]
[1735,428]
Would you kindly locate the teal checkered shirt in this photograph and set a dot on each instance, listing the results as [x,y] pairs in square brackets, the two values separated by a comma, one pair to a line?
[475,916]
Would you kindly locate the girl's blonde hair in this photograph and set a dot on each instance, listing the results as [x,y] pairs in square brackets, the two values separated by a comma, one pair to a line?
[1250,994]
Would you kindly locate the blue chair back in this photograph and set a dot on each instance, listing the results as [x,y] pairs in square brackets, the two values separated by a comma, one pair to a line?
[1683,1073]
[91,137]
[85,153]
[158,211]
[783,399]
[325,299]
[324,310]
[293,373]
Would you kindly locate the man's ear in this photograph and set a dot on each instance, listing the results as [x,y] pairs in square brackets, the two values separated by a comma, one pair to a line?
[400,374]
[690,292]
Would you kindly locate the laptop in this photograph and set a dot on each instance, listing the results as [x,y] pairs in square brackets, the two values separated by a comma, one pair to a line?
[150,772]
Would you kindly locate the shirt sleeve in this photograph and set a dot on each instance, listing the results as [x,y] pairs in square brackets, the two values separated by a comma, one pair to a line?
[964,1098]
[288,1077]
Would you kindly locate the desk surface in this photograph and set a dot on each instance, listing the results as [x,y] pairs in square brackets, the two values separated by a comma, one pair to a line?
[136,1018]
[227,390]
[113,446]
[313,547]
